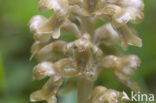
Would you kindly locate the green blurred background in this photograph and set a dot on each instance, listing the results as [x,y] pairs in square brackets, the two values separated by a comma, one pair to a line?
[16,40]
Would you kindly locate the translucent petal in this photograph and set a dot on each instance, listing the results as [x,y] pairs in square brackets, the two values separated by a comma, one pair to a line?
[34,49]
[53,51]
[66,68]
[36,22]
[132,3]
[38,25]
[57,5]
[106,34]
[128,36]
[121,18]
[37,96]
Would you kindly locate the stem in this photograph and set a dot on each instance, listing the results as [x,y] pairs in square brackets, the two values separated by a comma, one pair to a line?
[87,25]
[84,90]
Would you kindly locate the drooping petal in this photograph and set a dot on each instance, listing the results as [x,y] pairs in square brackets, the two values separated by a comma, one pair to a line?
[34,49]
[106,34]
[70,26]
[56,22]
[48,91]
[128,36]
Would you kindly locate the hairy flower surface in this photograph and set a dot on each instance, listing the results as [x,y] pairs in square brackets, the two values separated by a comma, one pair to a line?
[81,60]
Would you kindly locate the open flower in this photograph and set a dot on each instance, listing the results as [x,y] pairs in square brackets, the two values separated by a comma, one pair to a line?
[123,68]
[48,91]
[127,14]
[131,11]
[83,44]
[101,95]
[44,29]
[52,52]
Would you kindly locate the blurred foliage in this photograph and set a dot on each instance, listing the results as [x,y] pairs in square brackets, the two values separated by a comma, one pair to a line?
[16,40]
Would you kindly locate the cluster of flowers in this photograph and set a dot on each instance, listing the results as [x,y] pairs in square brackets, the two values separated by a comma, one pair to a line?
[91,52]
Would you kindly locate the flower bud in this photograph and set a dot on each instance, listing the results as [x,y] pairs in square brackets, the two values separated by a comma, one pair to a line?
[36,24]
[43,70]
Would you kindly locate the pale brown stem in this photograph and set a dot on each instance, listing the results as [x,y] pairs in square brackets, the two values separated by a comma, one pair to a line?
[84,90]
